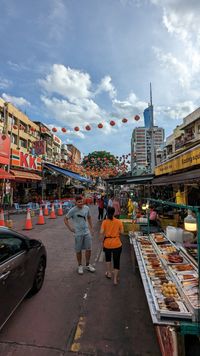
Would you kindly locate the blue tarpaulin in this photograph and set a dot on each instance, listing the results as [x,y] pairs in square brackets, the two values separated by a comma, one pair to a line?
[67,173]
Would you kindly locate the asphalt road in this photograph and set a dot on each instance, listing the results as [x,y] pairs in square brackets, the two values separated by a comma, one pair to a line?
[79,315]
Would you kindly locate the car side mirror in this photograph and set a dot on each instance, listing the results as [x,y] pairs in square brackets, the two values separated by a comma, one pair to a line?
[33,244]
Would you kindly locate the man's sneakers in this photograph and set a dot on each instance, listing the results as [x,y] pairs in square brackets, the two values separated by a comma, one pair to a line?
[90,268]
[80,269]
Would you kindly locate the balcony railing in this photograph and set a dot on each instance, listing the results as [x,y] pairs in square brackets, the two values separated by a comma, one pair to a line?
[187,138]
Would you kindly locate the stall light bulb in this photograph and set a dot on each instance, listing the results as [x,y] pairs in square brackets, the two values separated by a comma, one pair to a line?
[190,223]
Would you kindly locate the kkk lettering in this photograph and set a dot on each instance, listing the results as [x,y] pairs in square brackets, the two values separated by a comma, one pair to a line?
[27,161]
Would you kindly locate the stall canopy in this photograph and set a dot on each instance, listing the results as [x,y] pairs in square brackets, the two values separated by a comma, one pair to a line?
[25,175]
[67,173]
[143,179]
[5,175]
[183,177]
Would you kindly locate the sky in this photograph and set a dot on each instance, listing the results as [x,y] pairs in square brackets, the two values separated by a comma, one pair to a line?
[72,63]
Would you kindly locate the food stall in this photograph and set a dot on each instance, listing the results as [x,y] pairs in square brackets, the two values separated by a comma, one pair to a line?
[170,276]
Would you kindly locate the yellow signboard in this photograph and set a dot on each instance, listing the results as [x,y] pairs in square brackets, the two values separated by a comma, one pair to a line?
[185,160]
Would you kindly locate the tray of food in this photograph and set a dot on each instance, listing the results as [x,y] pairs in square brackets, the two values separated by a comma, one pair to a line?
[161,285]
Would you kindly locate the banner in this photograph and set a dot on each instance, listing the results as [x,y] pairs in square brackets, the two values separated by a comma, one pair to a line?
[25,160]
[4,149]
[40,147]
[184,160]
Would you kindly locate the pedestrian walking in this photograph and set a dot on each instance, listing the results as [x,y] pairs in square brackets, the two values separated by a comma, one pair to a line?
[100,208]
[110,201]
[116,205]
[94,198]
[82,229]
[111,229]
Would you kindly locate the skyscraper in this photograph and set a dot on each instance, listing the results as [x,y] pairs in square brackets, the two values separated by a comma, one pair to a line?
[141,146]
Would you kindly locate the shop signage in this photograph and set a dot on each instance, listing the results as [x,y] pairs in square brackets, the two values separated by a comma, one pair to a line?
[57,139]
[40,147]
[25,160]
[184,160]
[4,149]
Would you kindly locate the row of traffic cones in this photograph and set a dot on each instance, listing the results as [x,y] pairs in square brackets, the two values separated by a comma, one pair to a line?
[41,220]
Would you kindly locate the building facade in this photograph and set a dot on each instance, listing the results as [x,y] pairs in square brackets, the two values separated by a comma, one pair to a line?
[141,148]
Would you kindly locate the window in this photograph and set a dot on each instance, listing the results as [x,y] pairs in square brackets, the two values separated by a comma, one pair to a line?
[23,143]
[10,246]
[14,138]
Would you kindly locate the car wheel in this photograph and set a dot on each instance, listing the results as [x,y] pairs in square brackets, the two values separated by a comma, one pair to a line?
[39,277]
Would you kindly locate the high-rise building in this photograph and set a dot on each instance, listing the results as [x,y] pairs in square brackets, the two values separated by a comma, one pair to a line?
[141,146]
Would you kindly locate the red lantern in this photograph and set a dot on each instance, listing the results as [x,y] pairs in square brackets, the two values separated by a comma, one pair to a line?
[76,128]
[112,123]
[88,127]
[43,129]
[137,117]
[21,127]
[64,129]
[124,120]
[15,127]
[100,126]
[3,137]
[54,129]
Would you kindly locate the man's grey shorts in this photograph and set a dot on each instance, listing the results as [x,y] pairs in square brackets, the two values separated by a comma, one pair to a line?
[83,242]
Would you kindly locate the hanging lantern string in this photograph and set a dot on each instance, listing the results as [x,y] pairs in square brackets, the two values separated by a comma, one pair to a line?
[112,123]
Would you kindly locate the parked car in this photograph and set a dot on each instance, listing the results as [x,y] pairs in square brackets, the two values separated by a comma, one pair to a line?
[22,270]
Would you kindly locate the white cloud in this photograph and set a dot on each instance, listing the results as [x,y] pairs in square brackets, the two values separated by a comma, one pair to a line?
[18,101]
[178,67]
[177,111]
[129,107]
[69,83]
[5,83]
[56,20]
[107,86]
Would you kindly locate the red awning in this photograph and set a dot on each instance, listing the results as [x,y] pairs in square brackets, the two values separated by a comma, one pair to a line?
[25,175]
[5,175]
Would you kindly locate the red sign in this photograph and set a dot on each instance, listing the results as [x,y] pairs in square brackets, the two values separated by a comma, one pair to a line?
[27,161]
[4,149]
[40,147]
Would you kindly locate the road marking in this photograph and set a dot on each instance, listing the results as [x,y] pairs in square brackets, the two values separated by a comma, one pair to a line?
[75,347]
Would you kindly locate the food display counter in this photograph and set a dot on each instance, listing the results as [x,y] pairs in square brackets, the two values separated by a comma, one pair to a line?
[169,277]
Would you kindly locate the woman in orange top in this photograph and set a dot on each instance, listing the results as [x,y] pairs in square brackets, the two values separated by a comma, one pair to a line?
[111,229]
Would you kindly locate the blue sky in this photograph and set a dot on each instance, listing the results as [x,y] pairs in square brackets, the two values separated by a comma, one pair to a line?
[71,63]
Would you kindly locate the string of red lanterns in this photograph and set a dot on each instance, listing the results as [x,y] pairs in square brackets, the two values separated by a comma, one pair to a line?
[88,127]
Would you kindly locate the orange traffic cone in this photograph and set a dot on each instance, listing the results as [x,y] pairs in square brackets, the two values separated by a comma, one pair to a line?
[41,218]
[2,222]
[28,224]
[52,214]
[46,211]
[60,210]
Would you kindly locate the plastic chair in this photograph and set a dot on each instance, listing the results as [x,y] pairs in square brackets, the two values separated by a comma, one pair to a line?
[18,208]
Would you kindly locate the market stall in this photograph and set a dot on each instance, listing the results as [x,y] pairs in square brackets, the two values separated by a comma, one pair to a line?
[170,276]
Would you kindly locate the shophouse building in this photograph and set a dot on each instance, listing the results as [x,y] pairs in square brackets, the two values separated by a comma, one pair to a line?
[180,164]
[23,164]
[75,154]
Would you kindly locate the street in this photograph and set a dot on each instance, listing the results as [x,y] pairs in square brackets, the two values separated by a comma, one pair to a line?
[79,315]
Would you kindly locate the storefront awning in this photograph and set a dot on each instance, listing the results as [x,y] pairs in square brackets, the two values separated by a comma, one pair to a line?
[143,179]
[67,173]
[5,175]
[185,177]
[25,175]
